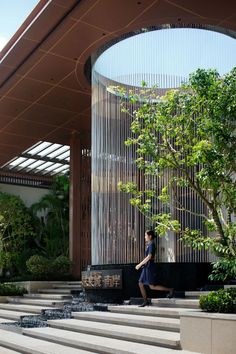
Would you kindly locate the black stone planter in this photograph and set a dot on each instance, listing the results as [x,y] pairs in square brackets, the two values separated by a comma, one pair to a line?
[180,276]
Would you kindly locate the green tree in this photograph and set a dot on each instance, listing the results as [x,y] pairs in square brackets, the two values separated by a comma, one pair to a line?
[53,227]
[191,133]
[16,233]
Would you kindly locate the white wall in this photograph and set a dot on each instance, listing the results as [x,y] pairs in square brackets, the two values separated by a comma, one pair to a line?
[29,195]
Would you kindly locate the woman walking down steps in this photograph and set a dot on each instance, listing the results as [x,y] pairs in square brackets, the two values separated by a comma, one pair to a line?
[148,275]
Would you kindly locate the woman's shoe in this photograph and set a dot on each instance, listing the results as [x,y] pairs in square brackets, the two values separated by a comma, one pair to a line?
[145,303]
[171,294]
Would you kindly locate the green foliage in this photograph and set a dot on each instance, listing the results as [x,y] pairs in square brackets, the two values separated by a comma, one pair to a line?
[38,265]
[62,265]
[41,267]
[190,134]
[224,269]
[11,290]
[16,233]
[223,300]
[53,228]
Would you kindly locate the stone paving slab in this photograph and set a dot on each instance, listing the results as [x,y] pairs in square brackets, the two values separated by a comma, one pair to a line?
[186,303]
[8,351]
[229,286]
[195,294]
[24,344]
[209,315]
[54,291]
[97,343]
[24,308]
[48,296]
[36,302]
[14,315]
[149,310]
[130,320]
[5,320]
[140,335]
[68,286]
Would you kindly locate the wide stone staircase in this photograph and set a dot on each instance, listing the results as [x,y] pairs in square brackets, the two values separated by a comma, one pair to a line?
[54,297]
[123,329]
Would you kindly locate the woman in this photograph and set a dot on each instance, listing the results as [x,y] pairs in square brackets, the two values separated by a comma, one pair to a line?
[148,276]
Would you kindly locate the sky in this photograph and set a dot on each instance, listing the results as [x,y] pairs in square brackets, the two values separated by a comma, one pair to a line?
[172,52]
[12,15]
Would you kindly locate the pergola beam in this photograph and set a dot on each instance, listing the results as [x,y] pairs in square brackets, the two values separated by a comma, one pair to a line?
[45,158]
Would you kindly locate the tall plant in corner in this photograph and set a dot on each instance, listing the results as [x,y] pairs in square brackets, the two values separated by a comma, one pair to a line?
[53,226]
[192,133]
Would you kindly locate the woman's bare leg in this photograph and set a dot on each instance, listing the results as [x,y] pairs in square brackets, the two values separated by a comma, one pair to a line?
[163,288]
[159,287]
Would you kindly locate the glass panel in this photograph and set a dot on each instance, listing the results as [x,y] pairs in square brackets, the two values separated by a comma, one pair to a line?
[64,156]
[58,151]
[38,147]
[26,162]
[60,169]
[49,149]
[44,149]
[53,167]
[36,163]
[17,161]
[45,165]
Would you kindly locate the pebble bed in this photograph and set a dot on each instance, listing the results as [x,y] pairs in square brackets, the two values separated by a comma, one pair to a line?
[78,303]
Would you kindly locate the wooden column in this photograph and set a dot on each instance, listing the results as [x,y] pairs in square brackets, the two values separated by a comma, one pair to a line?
[75,203]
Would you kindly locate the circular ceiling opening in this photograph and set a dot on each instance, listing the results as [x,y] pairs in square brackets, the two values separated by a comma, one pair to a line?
[166,57]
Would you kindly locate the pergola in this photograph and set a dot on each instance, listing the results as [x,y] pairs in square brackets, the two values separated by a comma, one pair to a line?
[44,80]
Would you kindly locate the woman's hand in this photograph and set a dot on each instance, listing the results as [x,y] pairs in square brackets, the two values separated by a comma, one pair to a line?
[137,267]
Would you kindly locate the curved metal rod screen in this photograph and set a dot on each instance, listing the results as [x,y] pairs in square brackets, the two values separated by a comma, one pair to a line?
[118,228]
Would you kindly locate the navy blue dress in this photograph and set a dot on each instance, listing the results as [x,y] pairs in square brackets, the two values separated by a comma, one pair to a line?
[148,275]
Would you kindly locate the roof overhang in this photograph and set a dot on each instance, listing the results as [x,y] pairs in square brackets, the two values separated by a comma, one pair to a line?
[44,94]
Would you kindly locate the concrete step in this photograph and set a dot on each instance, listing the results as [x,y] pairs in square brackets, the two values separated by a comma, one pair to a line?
[25,308]
[8,351]
[149,310]
[36,302]
[22,344]
[195,294]
[126,333]
[229,286]
[58,281]
[67,286]
[4,320]
[54,291]
[49,296]
[184,303]
[97,344]
[14,315]
[170,324]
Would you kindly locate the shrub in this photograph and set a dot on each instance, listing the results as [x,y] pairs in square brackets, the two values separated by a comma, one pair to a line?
[53,228]
[41,267]
[16,233]
[61,265]
[223,300]
[11,289]
[38,265]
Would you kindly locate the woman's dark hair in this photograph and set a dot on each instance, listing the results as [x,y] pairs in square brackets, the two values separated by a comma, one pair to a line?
[151,233]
